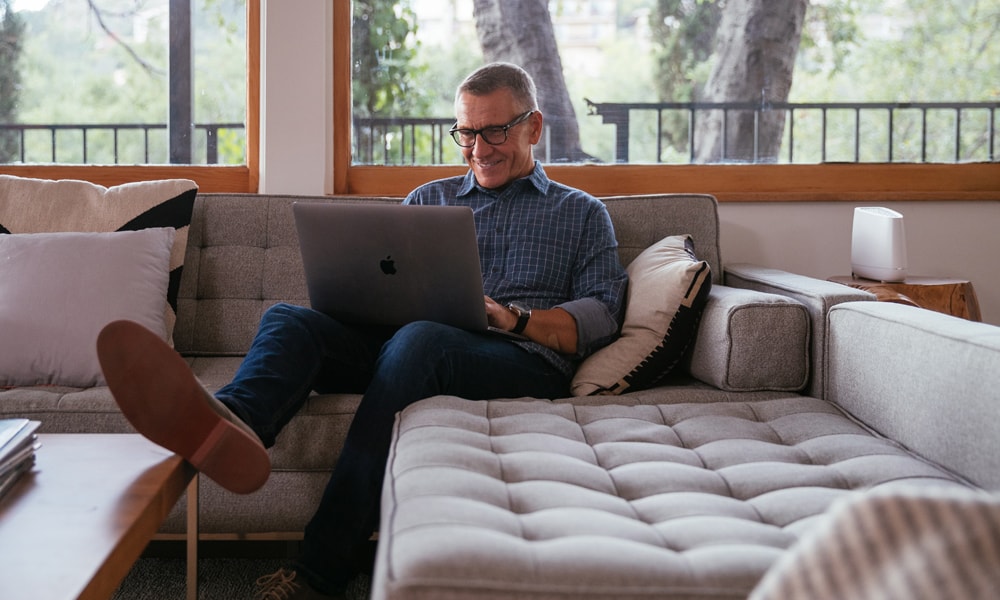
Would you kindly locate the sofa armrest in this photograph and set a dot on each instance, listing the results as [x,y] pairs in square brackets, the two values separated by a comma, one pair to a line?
[816,295]
[924,379]
[751,341]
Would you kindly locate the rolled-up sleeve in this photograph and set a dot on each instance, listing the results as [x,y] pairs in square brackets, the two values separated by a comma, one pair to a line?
[600,284]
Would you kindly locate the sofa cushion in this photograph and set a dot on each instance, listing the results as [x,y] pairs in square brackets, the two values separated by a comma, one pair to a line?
[39,205]
[897,542]
[752,341]
[668,288]
[534,499]
[50,322]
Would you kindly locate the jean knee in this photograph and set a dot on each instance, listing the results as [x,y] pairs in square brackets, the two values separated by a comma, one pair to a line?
[284,315]
[282,311]
[420,342]
[426,334]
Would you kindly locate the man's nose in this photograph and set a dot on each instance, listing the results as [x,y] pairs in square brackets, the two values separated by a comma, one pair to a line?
[481,146]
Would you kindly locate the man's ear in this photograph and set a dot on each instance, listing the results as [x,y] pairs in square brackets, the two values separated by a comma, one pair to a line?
[536,121]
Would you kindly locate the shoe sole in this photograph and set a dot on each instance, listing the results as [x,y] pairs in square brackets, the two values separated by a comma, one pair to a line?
[162,399]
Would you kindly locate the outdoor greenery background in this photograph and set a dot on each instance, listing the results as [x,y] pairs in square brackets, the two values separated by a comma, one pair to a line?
[72,71]
[851,50]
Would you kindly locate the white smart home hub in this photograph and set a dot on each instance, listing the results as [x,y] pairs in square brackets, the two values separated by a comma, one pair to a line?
[878,244]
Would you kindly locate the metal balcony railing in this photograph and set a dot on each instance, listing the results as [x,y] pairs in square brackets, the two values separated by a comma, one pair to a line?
[642,132]
[404,141]
[665,132]
[960,134]
[84,146]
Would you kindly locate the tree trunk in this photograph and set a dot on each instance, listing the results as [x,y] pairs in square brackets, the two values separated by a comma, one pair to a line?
[521,32]
[756,46]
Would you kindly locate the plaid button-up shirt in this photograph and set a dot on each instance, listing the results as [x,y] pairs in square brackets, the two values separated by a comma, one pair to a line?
[547,245]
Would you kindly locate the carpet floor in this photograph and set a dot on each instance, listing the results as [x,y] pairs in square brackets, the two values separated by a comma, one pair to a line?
[157,578]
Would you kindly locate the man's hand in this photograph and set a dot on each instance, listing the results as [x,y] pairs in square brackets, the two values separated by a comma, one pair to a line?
[499,316]
[554,328]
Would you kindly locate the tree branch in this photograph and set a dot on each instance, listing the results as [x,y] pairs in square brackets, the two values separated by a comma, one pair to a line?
[98,14]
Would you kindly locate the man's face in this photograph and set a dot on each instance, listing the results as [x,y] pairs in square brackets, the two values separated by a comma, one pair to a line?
[496,166]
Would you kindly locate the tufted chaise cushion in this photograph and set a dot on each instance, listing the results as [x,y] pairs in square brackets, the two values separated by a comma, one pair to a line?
[533,499]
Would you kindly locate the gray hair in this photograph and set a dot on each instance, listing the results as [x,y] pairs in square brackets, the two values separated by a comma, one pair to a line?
[501,75]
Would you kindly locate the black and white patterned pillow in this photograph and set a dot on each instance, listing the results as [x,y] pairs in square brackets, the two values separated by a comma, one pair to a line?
[49,206]
[667,293]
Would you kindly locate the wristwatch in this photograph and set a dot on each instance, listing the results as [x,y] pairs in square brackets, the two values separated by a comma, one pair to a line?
[523,313]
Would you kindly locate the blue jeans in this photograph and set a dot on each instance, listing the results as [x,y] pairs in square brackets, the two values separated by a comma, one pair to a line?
[297,350]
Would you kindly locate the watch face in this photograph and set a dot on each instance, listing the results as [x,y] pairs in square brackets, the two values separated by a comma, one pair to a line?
[519,307]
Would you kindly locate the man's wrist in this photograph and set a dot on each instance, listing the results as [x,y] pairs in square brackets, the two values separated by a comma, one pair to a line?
[522,312]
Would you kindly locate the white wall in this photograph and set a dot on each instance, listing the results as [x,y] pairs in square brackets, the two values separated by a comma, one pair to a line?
[944,239]
[295,97]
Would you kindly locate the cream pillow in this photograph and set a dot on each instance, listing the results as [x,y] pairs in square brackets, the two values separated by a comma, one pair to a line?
[668,290]
[58,290]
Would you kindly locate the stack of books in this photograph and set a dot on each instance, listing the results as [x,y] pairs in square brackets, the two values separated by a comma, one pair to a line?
[18,443]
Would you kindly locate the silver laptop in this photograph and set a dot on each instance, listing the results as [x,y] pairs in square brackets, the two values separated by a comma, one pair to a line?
[391,264]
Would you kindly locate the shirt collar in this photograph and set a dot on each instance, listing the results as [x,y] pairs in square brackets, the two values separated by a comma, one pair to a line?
[537,178]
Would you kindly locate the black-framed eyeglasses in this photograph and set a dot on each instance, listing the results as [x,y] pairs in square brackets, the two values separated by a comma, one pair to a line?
[493,135]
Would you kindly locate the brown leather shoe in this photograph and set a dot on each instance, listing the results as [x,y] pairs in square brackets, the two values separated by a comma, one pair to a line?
[164,401]
[286,584]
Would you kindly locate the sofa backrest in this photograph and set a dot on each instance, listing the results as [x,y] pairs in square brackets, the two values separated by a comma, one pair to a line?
[927,380]
[641,221]
[243,256]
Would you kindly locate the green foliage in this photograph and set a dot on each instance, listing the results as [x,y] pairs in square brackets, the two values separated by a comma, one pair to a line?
[684,36]
[442,67]
[830,34]
[383,53]
[394,75]
[918,51]
[73,71]
[609,82]
[232,147]
[684,40]
[11,32]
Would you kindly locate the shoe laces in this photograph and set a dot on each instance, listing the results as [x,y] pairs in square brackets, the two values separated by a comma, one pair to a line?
[280,585]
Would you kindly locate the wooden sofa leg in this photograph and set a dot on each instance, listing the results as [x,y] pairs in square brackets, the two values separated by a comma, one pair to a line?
[192,539]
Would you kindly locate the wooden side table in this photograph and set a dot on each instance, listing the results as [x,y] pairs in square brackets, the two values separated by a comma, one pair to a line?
[73,526]
[950,296]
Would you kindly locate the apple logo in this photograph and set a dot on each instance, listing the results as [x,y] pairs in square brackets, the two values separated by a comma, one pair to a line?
[388,265]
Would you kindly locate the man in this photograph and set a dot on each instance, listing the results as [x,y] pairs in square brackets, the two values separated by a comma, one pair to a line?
[550,272]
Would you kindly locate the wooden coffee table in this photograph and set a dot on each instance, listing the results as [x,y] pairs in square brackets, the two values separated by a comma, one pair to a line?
[74,526]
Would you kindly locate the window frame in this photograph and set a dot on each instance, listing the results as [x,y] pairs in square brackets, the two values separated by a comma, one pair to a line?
[827,182]
[210,178]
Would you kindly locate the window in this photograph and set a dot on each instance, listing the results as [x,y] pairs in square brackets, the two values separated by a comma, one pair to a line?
[862,108]
[117,90]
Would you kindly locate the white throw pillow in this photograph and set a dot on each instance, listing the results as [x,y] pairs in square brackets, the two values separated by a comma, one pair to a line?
[58,290]
[668,290]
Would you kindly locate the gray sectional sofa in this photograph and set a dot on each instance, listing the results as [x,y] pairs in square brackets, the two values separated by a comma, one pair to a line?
[788,400]
[673,496]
